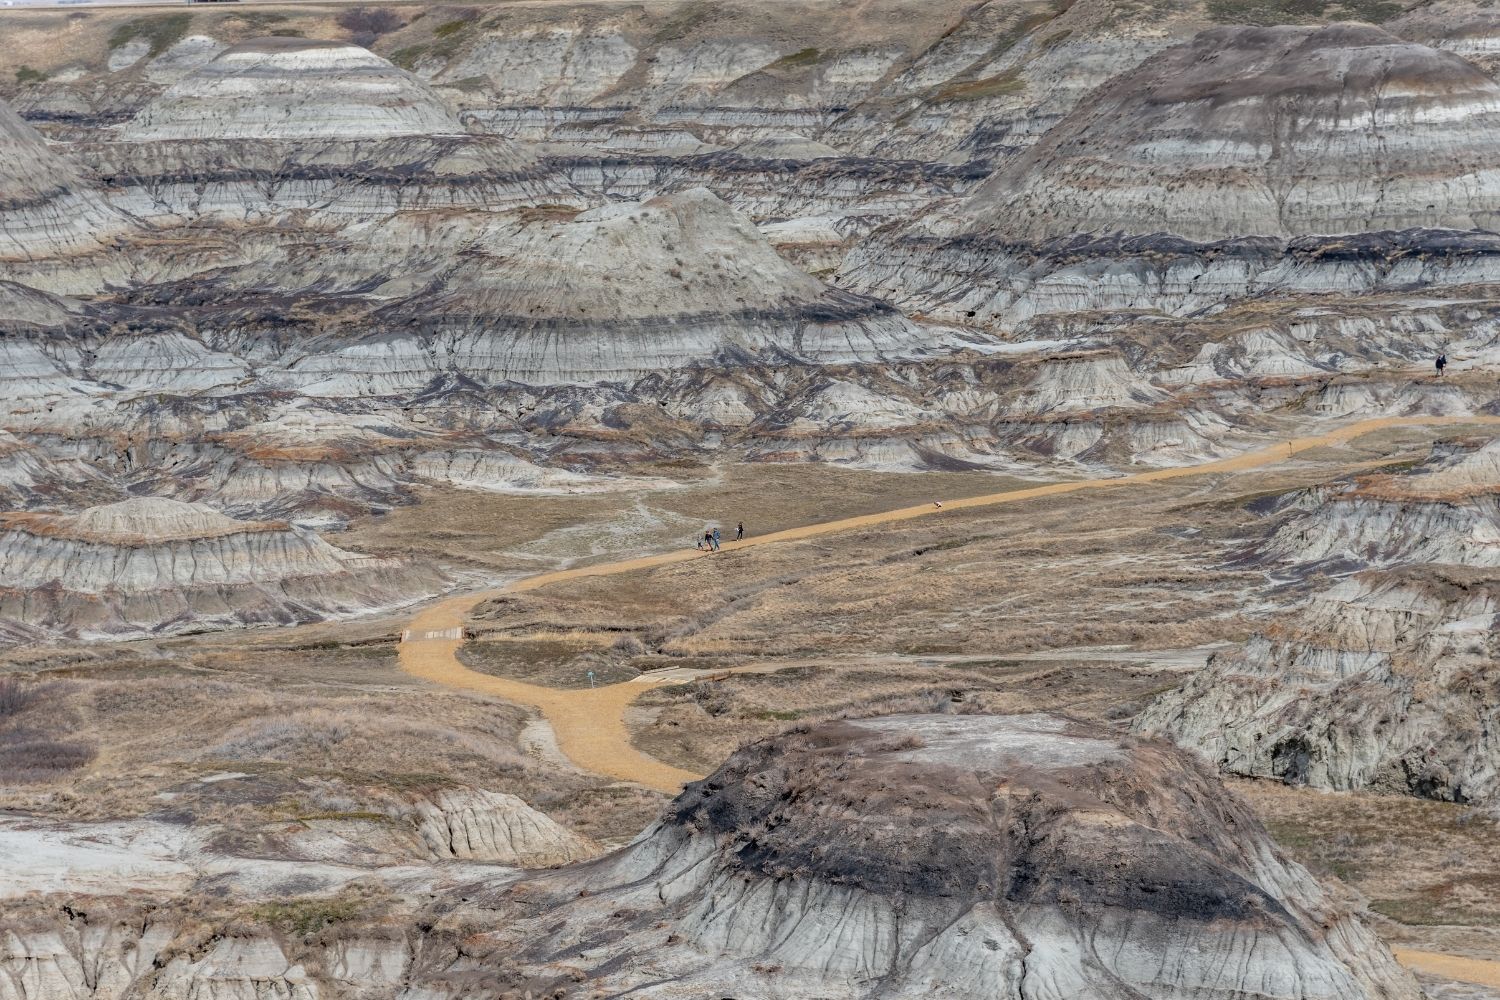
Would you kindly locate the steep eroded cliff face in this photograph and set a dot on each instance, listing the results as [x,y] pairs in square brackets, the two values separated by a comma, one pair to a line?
[1382,681]
[1022,856]
[47,206]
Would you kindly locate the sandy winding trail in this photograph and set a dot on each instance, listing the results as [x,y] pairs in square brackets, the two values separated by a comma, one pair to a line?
[590,723]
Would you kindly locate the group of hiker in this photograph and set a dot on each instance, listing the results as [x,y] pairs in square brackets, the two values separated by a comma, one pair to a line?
[711,540]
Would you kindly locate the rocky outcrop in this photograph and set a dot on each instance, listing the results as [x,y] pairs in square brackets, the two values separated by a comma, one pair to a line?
[1445,511]
[282,125]
[976,856]
[153,565]
[47,207]
[477,825]
[1382,682]
[294,88]
[610,295]
[1228,136]
[1019,856]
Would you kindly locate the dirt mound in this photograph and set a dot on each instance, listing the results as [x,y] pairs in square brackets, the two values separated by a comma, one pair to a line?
[153,564]
[1022,856]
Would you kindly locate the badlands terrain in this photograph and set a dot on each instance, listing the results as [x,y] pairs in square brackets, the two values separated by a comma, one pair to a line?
[1117,611]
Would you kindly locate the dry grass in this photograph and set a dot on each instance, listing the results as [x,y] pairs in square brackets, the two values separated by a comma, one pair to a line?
[1430,866]
[353,741]
[38,733]
[696,725]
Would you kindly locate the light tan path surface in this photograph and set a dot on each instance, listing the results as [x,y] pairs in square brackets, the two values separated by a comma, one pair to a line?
[590,724]
[1465,970]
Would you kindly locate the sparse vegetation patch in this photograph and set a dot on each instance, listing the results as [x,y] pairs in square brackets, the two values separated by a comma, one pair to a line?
[797,60]
[999,85]
[162,31]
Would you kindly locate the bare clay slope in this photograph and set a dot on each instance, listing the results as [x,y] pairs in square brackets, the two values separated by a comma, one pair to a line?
[981,856]
[1218,168]
[153,565]
[47,207]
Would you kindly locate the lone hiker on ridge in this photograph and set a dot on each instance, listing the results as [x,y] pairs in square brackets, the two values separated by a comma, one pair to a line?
[739,532]
[1441,363]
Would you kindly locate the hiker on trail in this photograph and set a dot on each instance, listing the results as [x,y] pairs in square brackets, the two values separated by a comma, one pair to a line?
[1441,363]
[716,539]
[708,539]
[739,532]
[698,544]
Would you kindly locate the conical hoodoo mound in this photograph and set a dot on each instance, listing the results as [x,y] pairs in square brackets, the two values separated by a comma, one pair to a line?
[977,856]
[1243,162]
[278,128]
[611,295]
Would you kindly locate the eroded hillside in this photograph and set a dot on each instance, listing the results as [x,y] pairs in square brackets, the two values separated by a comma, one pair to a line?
[354,322]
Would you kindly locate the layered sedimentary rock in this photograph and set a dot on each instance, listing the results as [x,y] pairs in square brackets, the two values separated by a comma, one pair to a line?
[294,88]
[1280,132]
[153,565]
[478,825]
[1021,856]
[47,207]
[972,856]
[277,125]
[1382,682]
[610,295]
[1446,511]
[1248,160]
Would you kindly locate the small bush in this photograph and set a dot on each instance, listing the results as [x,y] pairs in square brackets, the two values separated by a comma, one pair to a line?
[305,917]
[408,57]
[282,738]
[1000,85]
[797,60]
[30,748]
[16,697]
[25,757]
[628,645]
[162,32]
[28,75]
[365,24]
